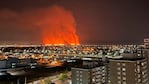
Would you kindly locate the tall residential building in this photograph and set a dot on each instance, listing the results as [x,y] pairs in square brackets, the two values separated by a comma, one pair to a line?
[89,73]
[125,71]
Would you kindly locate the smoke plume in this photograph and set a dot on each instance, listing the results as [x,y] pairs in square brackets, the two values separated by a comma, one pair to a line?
[56,24]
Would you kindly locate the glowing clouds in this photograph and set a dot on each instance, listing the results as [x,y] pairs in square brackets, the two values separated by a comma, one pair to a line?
[56,24]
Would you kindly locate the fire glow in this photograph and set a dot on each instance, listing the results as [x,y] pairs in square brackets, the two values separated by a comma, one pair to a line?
[59,27]
[56,24]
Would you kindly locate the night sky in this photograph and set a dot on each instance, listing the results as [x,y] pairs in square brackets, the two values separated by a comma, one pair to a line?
[97,21]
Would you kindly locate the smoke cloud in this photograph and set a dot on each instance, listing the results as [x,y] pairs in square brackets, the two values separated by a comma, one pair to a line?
[56,24]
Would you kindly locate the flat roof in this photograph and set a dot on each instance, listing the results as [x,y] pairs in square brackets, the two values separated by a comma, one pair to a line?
[128,60]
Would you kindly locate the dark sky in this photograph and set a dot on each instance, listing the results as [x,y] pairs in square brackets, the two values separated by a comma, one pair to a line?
[97,21]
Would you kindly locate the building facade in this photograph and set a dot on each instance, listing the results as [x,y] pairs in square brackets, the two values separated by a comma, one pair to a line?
[89,75]
[128,71]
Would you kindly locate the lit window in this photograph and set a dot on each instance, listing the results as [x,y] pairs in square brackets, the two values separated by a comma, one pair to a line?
[143,73]
[138,69]
[138,62]
[139,80]
[93,80]
[142,64]
[135,70]
[123,64]
[124,78]
[123,69]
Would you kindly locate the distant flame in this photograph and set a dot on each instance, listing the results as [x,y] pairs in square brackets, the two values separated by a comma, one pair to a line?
[59,27]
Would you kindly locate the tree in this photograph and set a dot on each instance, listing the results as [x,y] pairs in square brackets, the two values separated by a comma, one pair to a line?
[63,76]
[47,81]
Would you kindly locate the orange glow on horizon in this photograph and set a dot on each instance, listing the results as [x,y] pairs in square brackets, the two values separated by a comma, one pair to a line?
[60,41]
